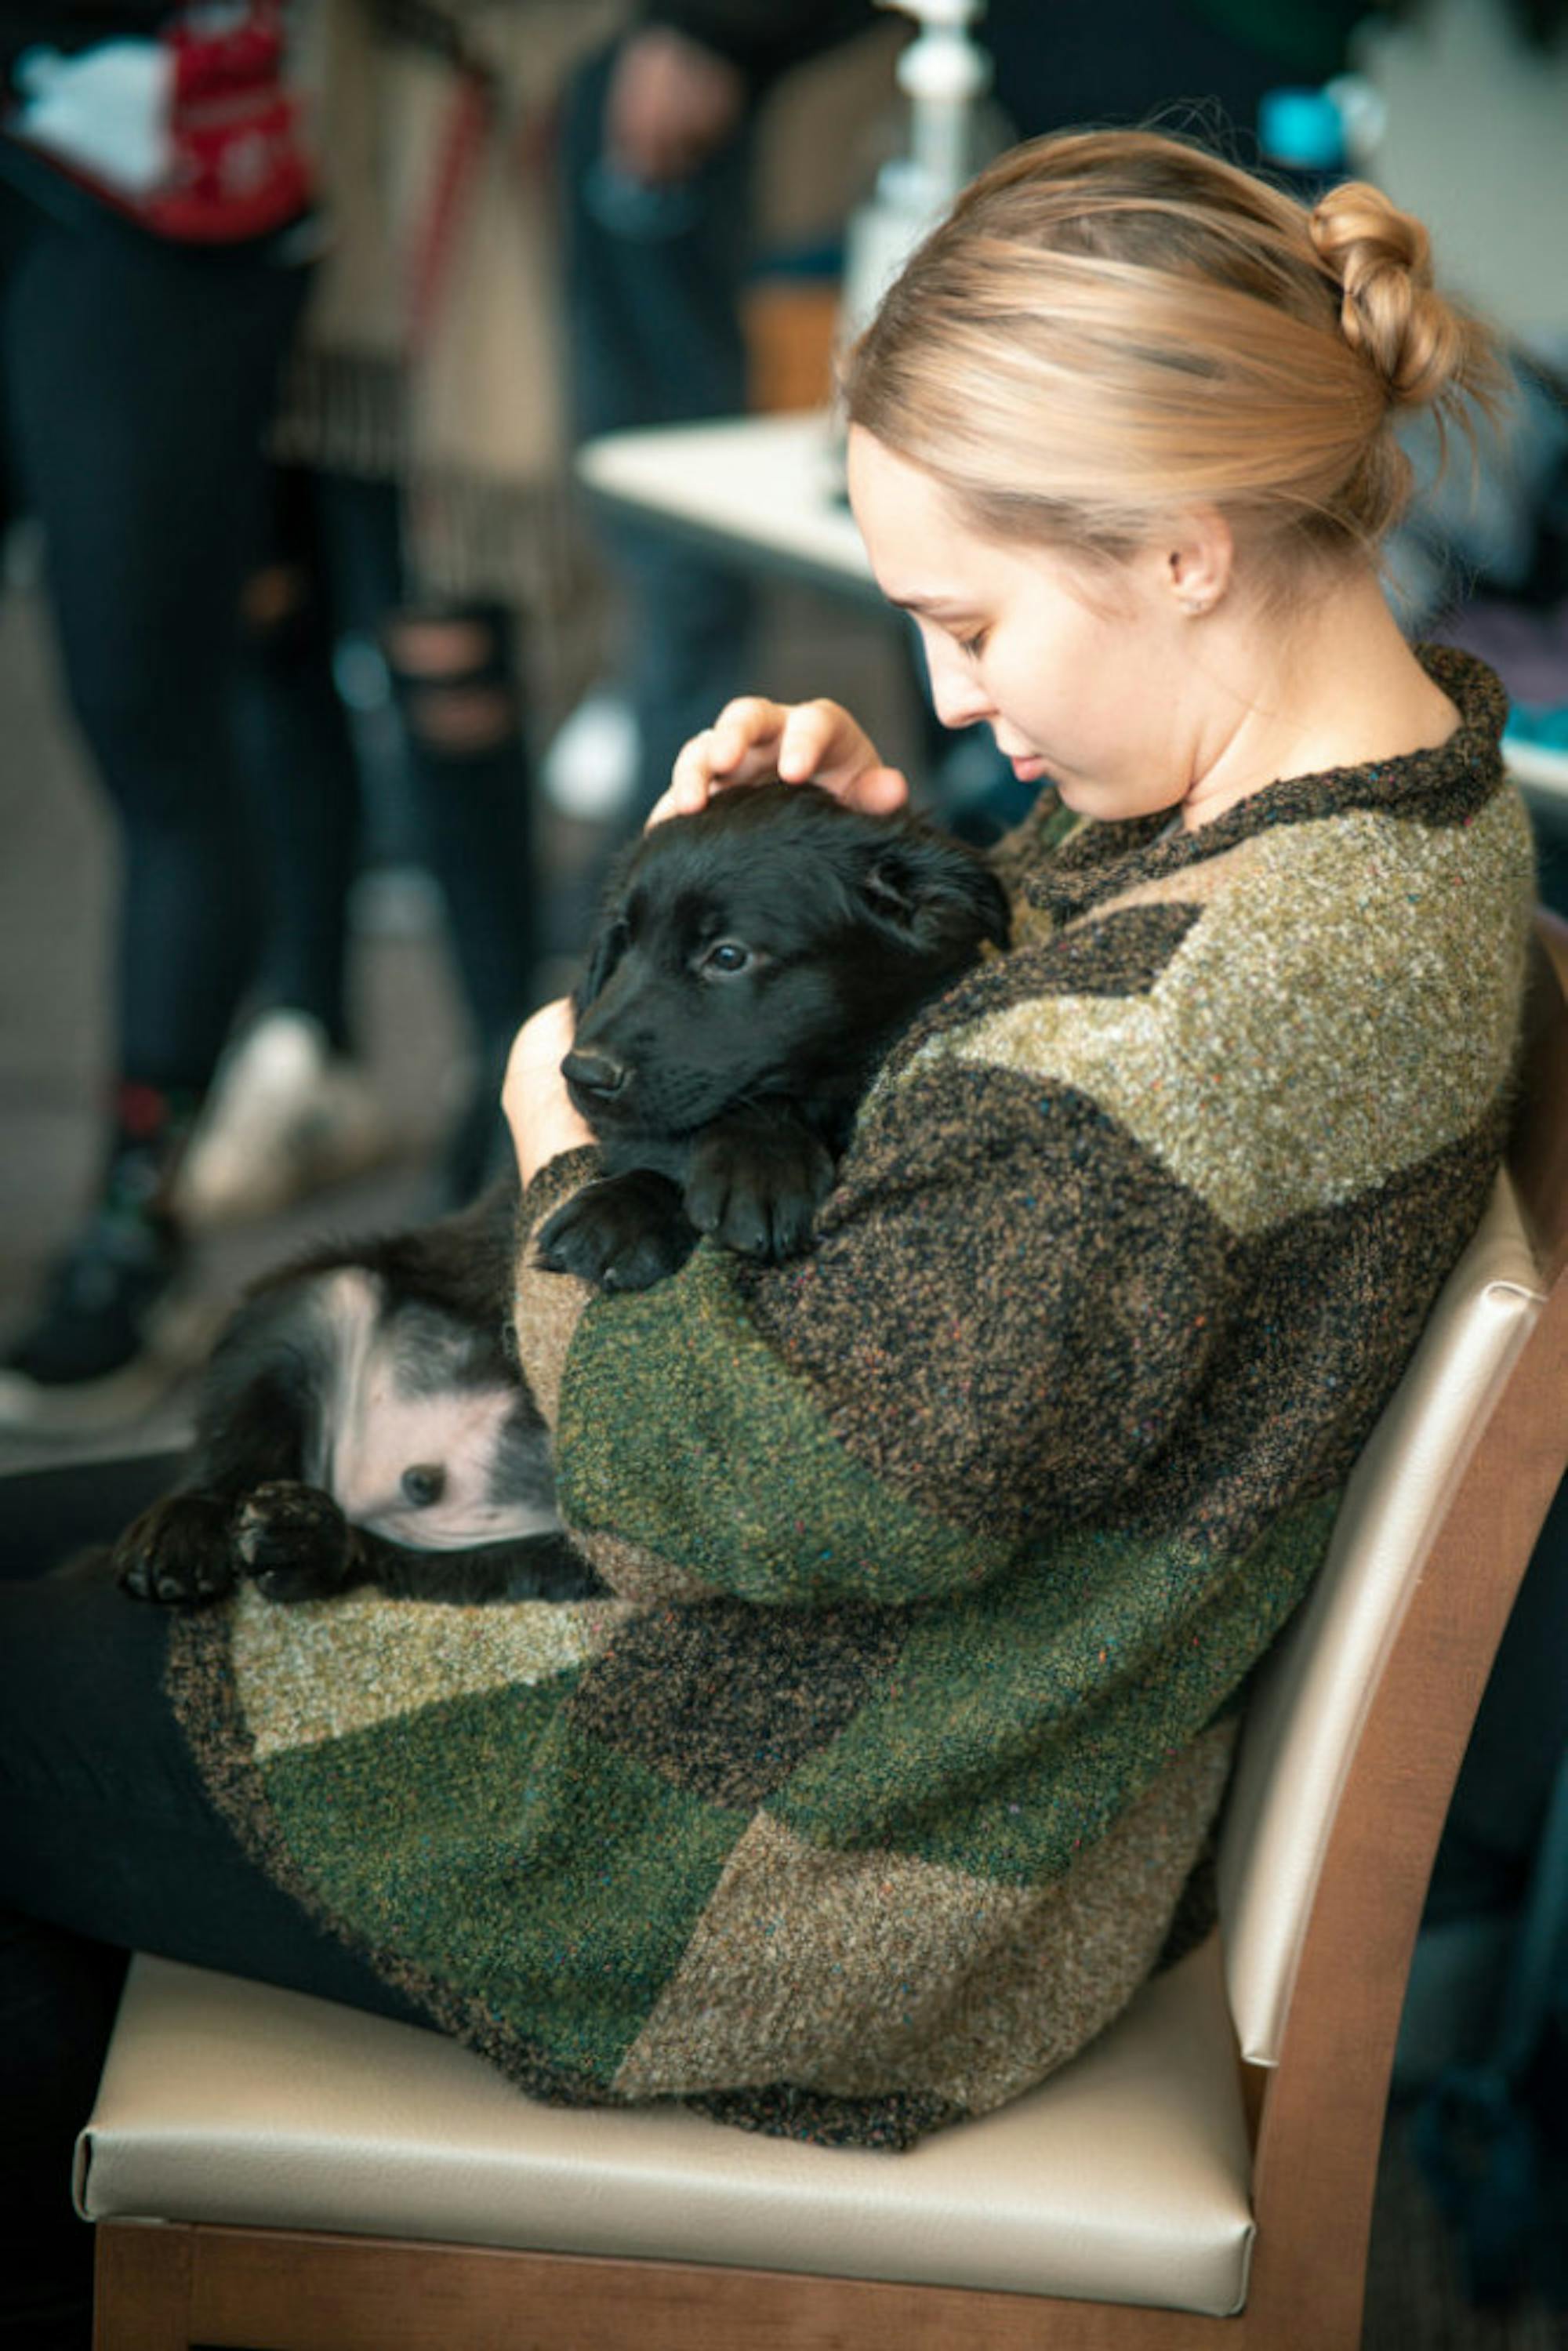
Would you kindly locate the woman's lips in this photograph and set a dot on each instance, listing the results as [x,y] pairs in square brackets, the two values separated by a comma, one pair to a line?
[1028,771]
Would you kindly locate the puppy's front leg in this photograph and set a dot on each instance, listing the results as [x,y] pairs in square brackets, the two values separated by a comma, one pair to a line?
[623,1232]
[756,1181]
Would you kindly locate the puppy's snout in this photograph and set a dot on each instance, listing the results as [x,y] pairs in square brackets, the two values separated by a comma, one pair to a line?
[600,1074]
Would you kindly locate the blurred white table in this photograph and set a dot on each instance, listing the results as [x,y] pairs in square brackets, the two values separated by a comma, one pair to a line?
[765,493]
[1540,774]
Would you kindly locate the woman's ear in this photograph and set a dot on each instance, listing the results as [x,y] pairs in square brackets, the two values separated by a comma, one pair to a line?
[1198,558]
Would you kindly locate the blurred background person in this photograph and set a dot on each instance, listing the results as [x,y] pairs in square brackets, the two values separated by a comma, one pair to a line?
[417,513]
[154,216]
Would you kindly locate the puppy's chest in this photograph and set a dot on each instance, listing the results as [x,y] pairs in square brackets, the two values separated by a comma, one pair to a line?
[412,1440]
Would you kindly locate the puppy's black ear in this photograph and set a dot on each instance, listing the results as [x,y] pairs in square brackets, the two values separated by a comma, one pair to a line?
[936,894]
[607,941]
[605,950]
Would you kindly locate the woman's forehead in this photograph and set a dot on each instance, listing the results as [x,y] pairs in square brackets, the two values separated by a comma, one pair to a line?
[924,556]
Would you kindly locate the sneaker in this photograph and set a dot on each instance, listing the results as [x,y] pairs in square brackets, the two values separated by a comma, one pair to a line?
[118,1329]
[589,766]
[286,1116]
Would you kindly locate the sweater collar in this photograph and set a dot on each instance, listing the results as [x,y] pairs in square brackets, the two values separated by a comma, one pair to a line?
[1443,785]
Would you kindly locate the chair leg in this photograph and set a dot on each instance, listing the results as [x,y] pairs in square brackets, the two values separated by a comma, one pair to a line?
[141,2287]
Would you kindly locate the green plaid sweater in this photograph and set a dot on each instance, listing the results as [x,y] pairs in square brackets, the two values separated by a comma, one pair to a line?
[941,1556]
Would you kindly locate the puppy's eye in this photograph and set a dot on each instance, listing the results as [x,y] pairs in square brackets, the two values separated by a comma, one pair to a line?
[723,959]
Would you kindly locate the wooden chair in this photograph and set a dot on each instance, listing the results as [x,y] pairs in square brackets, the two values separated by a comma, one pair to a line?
[271,2171]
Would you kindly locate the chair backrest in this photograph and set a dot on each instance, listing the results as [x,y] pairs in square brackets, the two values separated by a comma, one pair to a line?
[1314,1695]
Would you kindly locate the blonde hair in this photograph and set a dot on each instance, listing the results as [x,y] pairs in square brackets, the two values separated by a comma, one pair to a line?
[1112,326]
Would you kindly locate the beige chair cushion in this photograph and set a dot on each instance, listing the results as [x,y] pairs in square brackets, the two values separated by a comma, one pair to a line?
[1124,2179]
[1307,1710]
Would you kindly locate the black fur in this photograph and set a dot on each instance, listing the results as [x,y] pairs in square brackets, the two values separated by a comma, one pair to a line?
[720,1096]
[750,968]
[246,1508]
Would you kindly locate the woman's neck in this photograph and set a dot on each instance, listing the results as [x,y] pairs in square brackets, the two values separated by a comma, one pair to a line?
[1335,685]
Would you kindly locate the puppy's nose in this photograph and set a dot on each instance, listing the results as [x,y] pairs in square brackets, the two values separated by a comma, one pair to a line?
[595,1073]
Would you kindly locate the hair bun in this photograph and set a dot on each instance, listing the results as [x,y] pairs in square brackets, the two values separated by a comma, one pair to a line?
[1382,258]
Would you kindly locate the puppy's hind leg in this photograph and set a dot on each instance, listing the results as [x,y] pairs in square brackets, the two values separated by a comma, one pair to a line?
[543,1566]
[252,1423]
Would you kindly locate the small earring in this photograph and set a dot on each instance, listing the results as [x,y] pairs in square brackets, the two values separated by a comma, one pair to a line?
[1195,605]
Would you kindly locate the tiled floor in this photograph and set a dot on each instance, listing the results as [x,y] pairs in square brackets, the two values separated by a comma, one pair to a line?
[56,866]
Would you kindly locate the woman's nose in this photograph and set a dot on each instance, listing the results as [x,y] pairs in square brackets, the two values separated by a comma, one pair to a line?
[956,694]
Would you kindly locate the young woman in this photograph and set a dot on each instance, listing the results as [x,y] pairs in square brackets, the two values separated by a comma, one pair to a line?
[941,1556]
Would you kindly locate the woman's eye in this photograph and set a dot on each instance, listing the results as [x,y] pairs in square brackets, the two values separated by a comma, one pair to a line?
[975,645]
[726,958]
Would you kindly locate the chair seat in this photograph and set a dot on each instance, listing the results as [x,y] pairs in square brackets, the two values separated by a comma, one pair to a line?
[1125,2177]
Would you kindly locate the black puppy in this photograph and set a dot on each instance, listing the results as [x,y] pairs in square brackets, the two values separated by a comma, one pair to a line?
[750,970]
[361,1421]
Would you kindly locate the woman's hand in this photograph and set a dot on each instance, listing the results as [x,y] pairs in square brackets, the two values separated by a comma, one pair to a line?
[535,1102]
[753,740]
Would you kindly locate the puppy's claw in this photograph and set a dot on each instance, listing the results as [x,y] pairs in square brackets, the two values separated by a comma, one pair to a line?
[176,1554]
[623,1232]
[756,1187]
[292,1541]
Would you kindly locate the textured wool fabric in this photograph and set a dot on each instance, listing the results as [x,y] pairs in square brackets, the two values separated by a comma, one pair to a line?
[940,1557]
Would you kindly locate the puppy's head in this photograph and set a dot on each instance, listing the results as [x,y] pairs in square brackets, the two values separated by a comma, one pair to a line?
[768,947]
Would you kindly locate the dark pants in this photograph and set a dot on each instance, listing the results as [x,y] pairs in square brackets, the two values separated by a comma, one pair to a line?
[107,1844]
[335,546]
[137,378]
[655,338]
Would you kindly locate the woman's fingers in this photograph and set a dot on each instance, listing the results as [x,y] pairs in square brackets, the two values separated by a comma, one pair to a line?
[803,742]
[879,791]
[822,743]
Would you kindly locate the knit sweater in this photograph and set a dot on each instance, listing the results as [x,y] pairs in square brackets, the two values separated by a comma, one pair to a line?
[941,1556]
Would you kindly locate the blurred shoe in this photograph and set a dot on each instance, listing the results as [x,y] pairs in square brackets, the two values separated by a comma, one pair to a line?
[285,1115]
[589,767]
[119,1326]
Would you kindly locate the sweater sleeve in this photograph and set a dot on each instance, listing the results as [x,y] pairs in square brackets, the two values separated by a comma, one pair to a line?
[1006,1308]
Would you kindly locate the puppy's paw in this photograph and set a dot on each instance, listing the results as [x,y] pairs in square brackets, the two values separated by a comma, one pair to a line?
[292,1542]
[757,1189]
[177,1553]
[623,1232]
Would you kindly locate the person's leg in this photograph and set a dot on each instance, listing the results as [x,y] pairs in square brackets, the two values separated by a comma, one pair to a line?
[290,1109]
[655,338]
[457,682]
[107,1844]
[299,763]
[138,379]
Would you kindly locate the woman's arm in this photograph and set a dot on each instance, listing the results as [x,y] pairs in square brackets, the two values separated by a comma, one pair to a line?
[543,1120]
[1004,1310]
